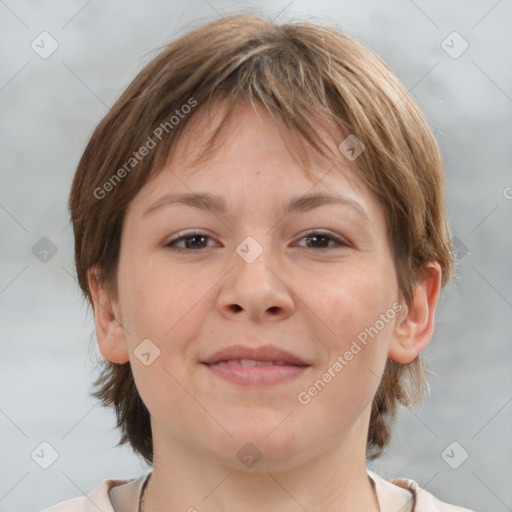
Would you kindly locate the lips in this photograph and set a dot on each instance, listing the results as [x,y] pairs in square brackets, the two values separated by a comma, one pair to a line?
[262,366]
[266,355]
[251,362]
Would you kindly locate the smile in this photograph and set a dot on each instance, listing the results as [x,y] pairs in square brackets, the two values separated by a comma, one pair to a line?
[247,372]
[252,362]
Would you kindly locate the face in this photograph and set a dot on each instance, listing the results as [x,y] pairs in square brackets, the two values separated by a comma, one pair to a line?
[317,281]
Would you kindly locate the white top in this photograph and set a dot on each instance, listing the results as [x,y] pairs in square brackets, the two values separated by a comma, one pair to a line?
[123,496]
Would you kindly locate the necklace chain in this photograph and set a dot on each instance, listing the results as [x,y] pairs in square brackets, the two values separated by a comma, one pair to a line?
[143,495]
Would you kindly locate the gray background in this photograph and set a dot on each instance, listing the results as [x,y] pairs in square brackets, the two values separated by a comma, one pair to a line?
[49,108]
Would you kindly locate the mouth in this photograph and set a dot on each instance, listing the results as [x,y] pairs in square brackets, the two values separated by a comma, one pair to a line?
[255,373]
[260,366]
[251,362]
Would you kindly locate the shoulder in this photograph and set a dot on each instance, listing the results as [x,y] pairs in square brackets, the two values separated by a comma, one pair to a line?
[408,495]
[425,501]
[100,498]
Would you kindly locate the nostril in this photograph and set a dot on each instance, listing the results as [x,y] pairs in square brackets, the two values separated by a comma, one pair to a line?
[236,307]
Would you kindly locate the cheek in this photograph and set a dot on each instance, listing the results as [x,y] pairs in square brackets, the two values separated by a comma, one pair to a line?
[158,302]
[164,307]
[355,348]
[352,302]
[357,308]
[167,308]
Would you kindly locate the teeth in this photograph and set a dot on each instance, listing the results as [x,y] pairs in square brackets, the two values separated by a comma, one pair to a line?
[251,362]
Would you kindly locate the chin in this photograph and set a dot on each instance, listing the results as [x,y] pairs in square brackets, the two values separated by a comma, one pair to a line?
[258,448]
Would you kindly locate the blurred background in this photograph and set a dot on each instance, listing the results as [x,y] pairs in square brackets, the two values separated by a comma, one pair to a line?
[63,64]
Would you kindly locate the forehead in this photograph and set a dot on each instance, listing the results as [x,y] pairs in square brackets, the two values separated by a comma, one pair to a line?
[222,131]
[253,153]
[249,138]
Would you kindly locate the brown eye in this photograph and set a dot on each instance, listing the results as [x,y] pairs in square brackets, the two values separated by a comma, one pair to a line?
[321,240]
[193,241]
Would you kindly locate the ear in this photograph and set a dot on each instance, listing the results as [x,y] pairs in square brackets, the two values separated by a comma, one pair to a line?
[109,329]
[415,331]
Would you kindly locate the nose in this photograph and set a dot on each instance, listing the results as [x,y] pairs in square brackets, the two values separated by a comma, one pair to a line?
[256,289]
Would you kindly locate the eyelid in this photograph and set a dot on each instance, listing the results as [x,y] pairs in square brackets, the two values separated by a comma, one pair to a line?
[186,234]
[338,239]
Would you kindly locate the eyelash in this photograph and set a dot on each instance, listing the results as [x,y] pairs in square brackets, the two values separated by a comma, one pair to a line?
[312,234]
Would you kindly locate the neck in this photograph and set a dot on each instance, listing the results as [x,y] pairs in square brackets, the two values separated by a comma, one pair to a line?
[184,479]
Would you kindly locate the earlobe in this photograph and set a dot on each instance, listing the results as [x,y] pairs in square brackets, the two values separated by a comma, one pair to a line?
[109,329]
[413,333]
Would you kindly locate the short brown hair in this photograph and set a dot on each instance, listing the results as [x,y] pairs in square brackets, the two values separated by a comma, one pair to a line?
[298,72]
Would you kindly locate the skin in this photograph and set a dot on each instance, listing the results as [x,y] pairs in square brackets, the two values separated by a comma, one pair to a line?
[310,300]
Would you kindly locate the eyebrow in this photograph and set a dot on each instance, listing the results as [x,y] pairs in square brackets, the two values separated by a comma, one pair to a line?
[216,204]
